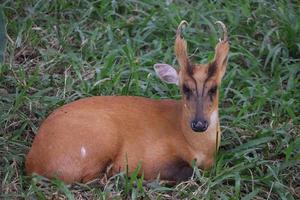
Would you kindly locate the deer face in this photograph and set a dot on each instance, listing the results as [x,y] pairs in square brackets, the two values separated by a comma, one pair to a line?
[198,82]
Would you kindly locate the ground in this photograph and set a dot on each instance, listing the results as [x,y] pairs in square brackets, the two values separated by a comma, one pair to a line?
[59,51]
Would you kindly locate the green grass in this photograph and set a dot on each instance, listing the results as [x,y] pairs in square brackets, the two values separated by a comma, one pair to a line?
[59,51]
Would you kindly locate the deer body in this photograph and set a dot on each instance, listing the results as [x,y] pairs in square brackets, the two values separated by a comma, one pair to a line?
[82,139]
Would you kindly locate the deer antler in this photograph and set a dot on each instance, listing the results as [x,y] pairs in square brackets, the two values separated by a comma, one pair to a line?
[181,26]
[225,33]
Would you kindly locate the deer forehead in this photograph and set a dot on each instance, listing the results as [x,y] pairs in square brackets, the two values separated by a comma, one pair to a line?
[200,77]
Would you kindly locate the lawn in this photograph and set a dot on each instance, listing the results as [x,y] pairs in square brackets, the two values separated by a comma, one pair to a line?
[61,50]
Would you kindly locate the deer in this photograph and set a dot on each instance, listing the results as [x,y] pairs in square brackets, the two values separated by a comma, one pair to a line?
[80,140]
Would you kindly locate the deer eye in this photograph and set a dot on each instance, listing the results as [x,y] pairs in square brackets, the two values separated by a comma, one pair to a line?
[187,91]
[212,91]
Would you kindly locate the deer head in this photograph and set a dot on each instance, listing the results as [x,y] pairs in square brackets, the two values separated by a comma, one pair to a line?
[198,83]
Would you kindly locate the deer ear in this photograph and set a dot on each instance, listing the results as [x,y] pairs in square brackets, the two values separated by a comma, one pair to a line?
[166,73]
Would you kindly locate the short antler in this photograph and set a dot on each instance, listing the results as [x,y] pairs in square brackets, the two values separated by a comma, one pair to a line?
[181,26]
[181,49]
[221,54]
[225,33]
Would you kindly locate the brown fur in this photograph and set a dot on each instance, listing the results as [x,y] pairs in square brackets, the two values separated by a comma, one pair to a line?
[98,124]
[80,140]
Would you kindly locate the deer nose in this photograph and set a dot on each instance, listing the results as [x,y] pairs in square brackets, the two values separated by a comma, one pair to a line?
[199,125]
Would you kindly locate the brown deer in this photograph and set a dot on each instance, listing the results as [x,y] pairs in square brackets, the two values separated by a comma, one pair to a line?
[78,141]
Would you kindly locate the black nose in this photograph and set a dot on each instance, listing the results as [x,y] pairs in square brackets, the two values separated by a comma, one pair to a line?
[199,125]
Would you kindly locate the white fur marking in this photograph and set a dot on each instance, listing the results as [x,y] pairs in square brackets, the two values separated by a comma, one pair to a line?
[199,159]
[214,118]
[82,152]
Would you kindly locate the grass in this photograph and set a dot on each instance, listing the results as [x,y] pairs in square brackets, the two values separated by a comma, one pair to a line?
[59,51]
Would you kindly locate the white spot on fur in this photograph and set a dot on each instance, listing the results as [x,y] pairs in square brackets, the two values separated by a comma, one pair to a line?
[82,152]
[214,118]
[200,159]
